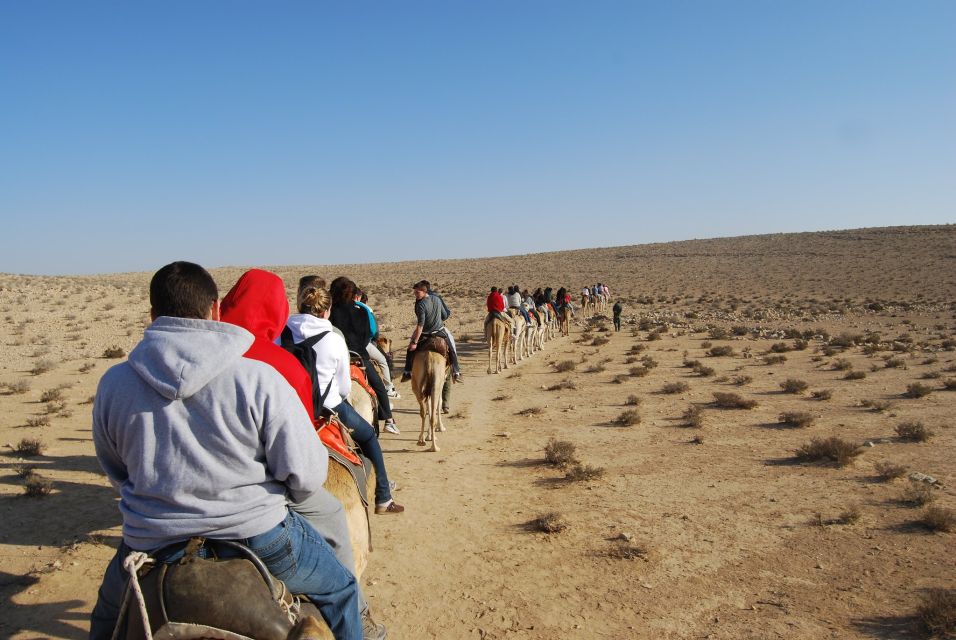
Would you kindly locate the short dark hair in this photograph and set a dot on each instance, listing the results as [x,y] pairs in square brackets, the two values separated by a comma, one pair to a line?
[182,290]
[494,289]
[311,281]
[421,285]
[342,290]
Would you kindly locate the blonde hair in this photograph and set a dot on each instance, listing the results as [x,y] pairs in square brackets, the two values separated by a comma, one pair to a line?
[312,297]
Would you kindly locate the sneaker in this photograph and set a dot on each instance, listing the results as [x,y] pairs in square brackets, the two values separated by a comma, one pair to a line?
[391,428]
[393,393]
[372,630]
[406,376]
[457,378]
[389,507]
[445,408]
[392,486]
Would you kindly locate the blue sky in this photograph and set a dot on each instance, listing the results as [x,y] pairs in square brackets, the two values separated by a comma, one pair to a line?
[252,133]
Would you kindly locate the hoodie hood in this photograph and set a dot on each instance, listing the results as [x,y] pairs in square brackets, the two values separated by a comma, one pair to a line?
[179,356]
[258,304]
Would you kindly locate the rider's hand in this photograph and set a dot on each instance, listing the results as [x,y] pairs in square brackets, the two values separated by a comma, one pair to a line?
[412,346]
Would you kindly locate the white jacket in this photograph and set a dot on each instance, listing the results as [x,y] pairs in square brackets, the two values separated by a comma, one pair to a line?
[331,356]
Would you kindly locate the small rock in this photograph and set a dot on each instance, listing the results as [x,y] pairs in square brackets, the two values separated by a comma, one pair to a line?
[819,566]
[916,476]
[504,434]
[626,537]
[870,443]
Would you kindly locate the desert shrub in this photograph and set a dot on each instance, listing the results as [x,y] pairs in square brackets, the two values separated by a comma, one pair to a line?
[37,487]
[464,338]
[630,360]
[846,340]
[889,470]
[718,333]
[675,387]
[599,341]
[706,344]
[931,375]
[19,387]
[55,407]
[938,519]
[894,363]
[580,472]
[690,364]
[937,611]
[42,366]
[821,394]
[632,400]
[649,362]
[51,395]
[800,344]
[726,400]
[742,380]
[796,418]
[949,384]
[841,364]
[564,384]
[623,550]
[693,416]
[565,365]
[530,411]
[717,352]
[854,375]
[917,390]
[654,335]
[878,406]
[636,348]
[639,372]
[628,418]
[619,379]
[917,494]
[24,470]
[548,523]
[780,347]
[777,359]
[29,447]
[792,385]
[913,431]
[851,515]
[516,373]
[560,453]
[501,398]
[595,368]
[113,352]
[828,449]
[704,372]
[39,421]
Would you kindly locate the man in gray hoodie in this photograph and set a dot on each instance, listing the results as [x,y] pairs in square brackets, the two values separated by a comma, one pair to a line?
[200,441]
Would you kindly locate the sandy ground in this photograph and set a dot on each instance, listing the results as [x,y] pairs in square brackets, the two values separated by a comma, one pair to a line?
[687,532]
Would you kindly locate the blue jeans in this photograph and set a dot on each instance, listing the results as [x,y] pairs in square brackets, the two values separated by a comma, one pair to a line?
[292,550]
[364,436]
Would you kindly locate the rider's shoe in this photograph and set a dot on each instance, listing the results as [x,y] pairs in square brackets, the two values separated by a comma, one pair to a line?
[390,507]
[394,394]
[457,377]
[372,630]
[390,427]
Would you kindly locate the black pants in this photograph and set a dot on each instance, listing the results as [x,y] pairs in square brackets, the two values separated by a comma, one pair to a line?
[375,381]
[617,323]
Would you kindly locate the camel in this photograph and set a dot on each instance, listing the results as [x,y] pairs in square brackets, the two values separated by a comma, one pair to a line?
[565,320]
[498,337]
[429,370]
[519,338]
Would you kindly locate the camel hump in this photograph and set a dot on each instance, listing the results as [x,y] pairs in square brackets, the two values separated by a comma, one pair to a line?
[309,628]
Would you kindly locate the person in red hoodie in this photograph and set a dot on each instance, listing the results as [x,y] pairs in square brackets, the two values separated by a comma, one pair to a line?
[258,303]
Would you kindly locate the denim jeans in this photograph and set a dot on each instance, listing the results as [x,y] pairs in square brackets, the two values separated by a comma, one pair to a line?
[364,436]
[292,550]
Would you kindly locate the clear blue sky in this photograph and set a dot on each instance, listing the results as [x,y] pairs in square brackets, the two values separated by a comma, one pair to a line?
[250,133]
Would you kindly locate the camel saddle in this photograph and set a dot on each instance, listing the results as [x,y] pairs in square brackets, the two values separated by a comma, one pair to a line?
[227,598]
[434,342]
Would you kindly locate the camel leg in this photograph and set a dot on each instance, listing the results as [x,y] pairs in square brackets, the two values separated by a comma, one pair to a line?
[435,409]
[423,412]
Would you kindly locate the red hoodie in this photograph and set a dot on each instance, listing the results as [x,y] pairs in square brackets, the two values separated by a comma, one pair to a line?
[258,304]
[495,302]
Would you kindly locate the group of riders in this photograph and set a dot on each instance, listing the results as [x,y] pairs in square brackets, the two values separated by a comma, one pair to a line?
[543,306]
[208,430]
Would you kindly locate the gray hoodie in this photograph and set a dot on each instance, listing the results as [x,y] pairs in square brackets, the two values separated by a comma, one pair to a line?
[200,441]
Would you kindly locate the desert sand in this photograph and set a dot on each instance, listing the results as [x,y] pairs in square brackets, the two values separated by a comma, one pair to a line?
[680,530]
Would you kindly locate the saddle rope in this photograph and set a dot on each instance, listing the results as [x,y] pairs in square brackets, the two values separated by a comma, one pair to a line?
[133,563]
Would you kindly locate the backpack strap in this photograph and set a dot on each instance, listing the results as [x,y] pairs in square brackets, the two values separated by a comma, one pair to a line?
[287,342]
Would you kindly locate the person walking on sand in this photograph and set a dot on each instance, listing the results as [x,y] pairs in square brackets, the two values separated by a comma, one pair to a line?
[171,429]
[617,309]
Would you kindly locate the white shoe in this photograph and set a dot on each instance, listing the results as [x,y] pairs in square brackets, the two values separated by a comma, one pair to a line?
[393,393]
[391,428]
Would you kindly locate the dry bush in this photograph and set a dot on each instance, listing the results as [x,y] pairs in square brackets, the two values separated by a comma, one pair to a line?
[619,379]
[742,380]
[895,363]
[55,407]
[501,398]
[632,401]
[917,390]
[42,366]
[706,344]
[24,470]
[516,373]
[917,494]
[111,353]
[51,395]
[18,388]
[854,375]
[718,333]
[530,411]
[732,401]
[931,375]
[675,387]
[792,385]
[718,352]
[704,372]
[913,431]
[628,418]
[841,364]
[595,368]
[560,453]
[623,550]
[581,472]
[777,359]
[691,364]
[39,421]
[599,341]
[548,523]
[878,406]
[821,394]
[937,612]
[649,362]
[564,384]
[29,447]
[938,519]
[889,470]
[796,418]
[565,365]
[780,347]
[630,360]
[851,515]
[639,372]
[636,348]
[829,449]
[693,416]
[37,487]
